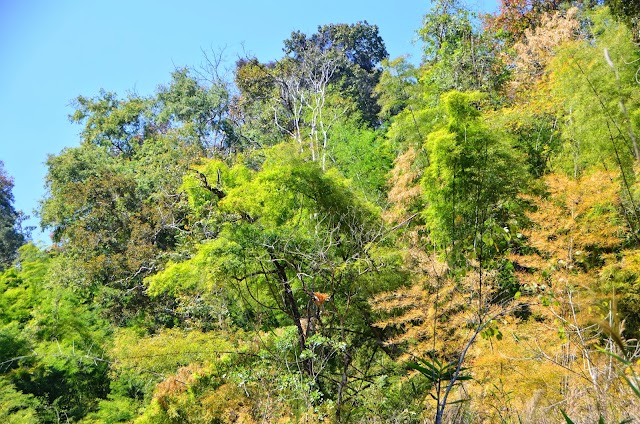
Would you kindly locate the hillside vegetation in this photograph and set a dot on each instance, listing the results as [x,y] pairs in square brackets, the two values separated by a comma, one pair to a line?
[340,236]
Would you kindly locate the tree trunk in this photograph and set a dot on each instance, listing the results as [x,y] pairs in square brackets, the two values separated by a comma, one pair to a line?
[292,306]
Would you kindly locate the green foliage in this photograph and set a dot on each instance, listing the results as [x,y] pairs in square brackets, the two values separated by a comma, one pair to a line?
[11,234]
[116,216]
[111,123]
[360,43]
[458,56]
[491,331]
[622,277]
[596,86]
[361,49]
[396,86]
[275,253]
[51,342]
[285,231]
[323,78]
[437,372]
[16,407]
[189,102]
[283,205]
[536,134]
[148,359]
[364,158]
[628,11]
[120,410]
[472,179]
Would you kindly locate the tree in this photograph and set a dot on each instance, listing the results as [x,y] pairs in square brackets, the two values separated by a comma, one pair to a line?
[573,266]
[472,179]
[335,67]
[51,342]
[114,215]
[289,233]
[458,56]
[397,84]
[189,102]
[515,17]
[11,234]
[305,93]
[594,83]
[198,107]
[628,11]
[360,43]
[112,123]
[455,246]
[537,46]
[362,49]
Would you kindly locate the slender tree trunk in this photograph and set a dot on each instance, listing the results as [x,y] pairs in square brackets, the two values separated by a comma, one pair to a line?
[292,306]
[344,379]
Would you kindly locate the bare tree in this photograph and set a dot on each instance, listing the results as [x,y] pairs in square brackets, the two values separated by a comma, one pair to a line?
[303,95]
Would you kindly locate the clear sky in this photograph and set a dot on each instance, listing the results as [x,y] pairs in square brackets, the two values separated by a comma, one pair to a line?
[51,51]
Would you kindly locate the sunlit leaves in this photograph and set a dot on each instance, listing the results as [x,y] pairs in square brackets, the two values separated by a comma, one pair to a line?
[110,122]
[595,97]
[203,107]
[472,177]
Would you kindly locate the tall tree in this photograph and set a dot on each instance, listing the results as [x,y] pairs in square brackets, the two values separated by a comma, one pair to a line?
[514,17]
[11,233]
[202,106]
[51,343]
[472,179]
[340,61]
[290,238]
[457,55]
[362,49]
[114,205]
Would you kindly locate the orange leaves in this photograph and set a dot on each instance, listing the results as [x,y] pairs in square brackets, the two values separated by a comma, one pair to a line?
[405,191]
[571,228]
[579,215]
[320,298]
[590,203]
[538,45]
[515,17]
[438,312]
[176,384]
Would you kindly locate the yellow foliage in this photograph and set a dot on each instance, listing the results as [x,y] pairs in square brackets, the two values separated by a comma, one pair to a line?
[227,404]
[169,350]
[573,229]
[405,190]
[547,357]
[437,313]
[539,45]
[578,219]
[176,384]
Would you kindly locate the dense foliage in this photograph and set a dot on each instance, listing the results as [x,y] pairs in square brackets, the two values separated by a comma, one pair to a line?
[339,236]
[12,235]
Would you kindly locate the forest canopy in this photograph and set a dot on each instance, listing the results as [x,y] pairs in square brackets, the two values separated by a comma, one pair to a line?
[342,236]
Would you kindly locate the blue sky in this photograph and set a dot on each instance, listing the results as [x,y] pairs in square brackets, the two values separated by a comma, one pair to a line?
[52,51]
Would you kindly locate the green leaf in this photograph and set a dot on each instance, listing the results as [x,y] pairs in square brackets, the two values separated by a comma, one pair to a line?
[608,352]
[566,417]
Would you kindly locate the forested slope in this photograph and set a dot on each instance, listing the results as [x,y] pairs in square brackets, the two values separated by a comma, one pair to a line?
[340,236]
